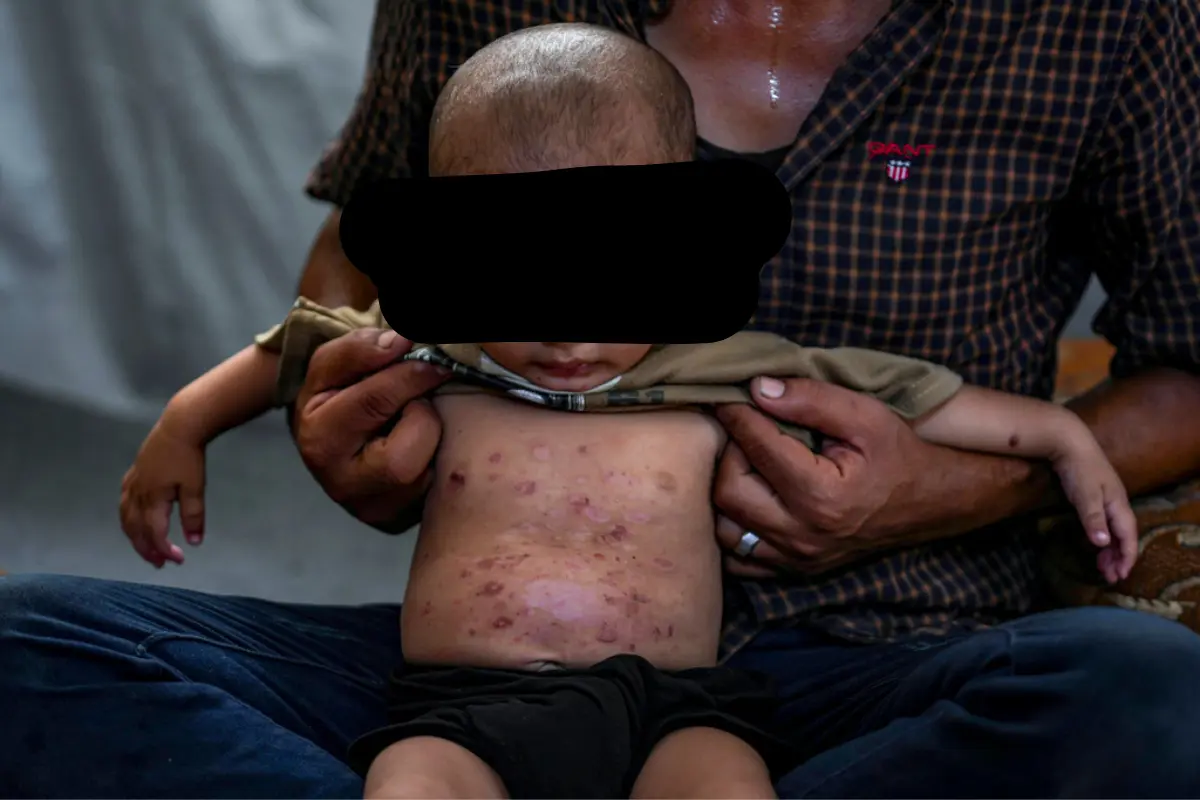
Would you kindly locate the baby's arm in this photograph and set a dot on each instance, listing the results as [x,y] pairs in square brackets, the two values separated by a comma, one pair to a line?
[236,391]
[170,464]
[1007,424]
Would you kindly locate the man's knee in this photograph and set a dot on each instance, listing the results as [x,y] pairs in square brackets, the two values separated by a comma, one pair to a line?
[1113,649]
[1131,685]
[27,598]
[47,616]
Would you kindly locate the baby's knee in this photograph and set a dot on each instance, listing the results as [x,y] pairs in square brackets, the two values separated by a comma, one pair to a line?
[412,785]
[433,768]
[704,762]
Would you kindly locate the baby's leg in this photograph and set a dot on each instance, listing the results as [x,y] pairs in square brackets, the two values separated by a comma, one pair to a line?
[703,763]
[427,768]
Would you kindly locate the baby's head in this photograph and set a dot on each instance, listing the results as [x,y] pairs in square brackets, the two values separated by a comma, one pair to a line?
[561,96]
[556,97]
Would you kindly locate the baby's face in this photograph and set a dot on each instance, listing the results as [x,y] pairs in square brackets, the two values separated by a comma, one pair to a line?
[566,366]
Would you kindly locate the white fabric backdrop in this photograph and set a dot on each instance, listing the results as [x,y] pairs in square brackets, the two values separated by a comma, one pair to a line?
[152,158]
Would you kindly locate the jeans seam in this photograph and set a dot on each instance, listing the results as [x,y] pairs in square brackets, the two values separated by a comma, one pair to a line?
[322,630]
[154,638]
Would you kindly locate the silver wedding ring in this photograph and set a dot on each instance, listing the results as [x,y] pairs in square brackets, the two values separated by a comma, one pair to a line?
[745,546]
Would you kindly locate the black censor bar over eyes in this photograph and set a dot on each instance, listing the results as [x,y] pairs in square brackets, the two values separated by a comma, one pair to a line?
[664,253]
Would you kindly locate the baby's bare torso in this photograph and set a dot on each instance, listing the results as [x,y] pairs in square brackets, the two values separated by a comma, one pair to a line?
[557,538]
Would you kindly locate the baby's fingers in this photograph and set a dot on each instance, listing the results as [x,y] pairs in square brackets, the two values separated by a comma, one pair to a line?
[1090,505]
[191,514]
[134,526]
[142,541]
[158,522]
[1106,562]
[1123,524]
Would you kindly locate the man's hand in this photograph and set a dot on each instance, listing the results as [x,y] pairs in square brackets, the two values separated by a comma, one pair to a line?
[817,511]
[354,391]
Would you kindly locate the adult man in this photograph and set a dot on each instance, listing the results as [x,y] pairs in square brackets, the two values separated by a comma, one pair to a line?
[952,164]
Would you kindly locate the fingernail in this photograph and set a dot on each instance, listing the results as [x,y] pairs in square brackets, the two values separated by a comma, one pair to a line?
[387,339]
[194,538]
[771,388]
[1101,538]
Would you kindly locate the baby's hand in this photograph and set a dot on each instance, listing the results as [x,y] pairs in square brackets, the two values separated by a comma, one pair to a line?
[169,468]
[1096,491]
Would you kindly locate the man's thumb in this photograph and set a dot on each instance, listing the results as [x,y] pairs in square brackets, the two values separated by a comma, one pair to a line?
[816,405]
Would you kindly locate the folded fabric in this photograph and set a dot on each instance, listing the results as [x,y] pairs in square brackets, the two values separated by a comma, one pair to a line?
[670,376]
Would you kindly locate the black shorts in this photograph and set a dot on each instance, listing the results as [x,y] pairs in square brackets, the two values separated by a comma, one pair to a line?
[574,732]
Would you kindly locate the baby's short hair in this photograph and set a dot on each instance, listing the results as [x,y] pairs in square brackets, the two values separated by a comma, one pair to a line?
[561,95]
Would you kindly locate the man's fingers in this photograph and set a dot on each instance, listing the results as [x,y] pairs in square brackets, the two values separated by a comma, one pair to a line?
[408,450]
[745,497]
[784,462]
[359,411]
[765,553]
[345,360]
[729,536]
[746,568]
[833,410]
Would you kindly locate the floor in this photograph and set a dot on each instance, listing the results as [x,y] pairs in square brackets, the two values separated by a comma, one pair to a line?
[271,530]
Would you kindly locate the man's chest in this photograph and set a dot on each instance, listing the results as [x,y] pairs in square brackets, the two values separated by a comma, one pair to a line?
[932,187]
[928,174]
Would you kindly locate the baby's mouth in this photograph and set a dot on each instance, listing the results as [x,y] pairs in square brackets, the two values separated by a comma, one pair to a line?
[566,369]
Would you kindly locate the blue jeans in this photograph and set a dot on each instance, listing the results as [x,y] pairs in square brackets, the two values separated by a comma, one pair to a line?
[114,689]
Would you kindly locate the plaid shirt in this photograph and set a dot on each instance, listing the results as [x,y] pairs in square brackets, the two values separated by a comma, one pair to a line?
[963,175]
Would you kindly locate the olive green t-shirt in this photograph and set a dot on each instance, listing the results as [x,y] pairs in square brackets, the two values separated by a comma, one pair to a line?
[672,375]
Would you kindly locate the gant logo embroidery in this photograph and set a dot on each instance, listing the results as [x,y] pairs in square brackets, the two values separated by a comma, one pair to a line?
[899,165]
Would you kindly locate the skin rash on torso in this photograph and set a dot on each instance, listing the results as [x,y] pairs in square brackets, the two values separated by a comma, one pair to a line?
[562,538]
[559,538]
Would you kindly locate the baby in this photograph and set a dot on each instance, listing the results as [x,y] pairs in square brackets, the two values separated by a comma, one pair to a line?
[561,623]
